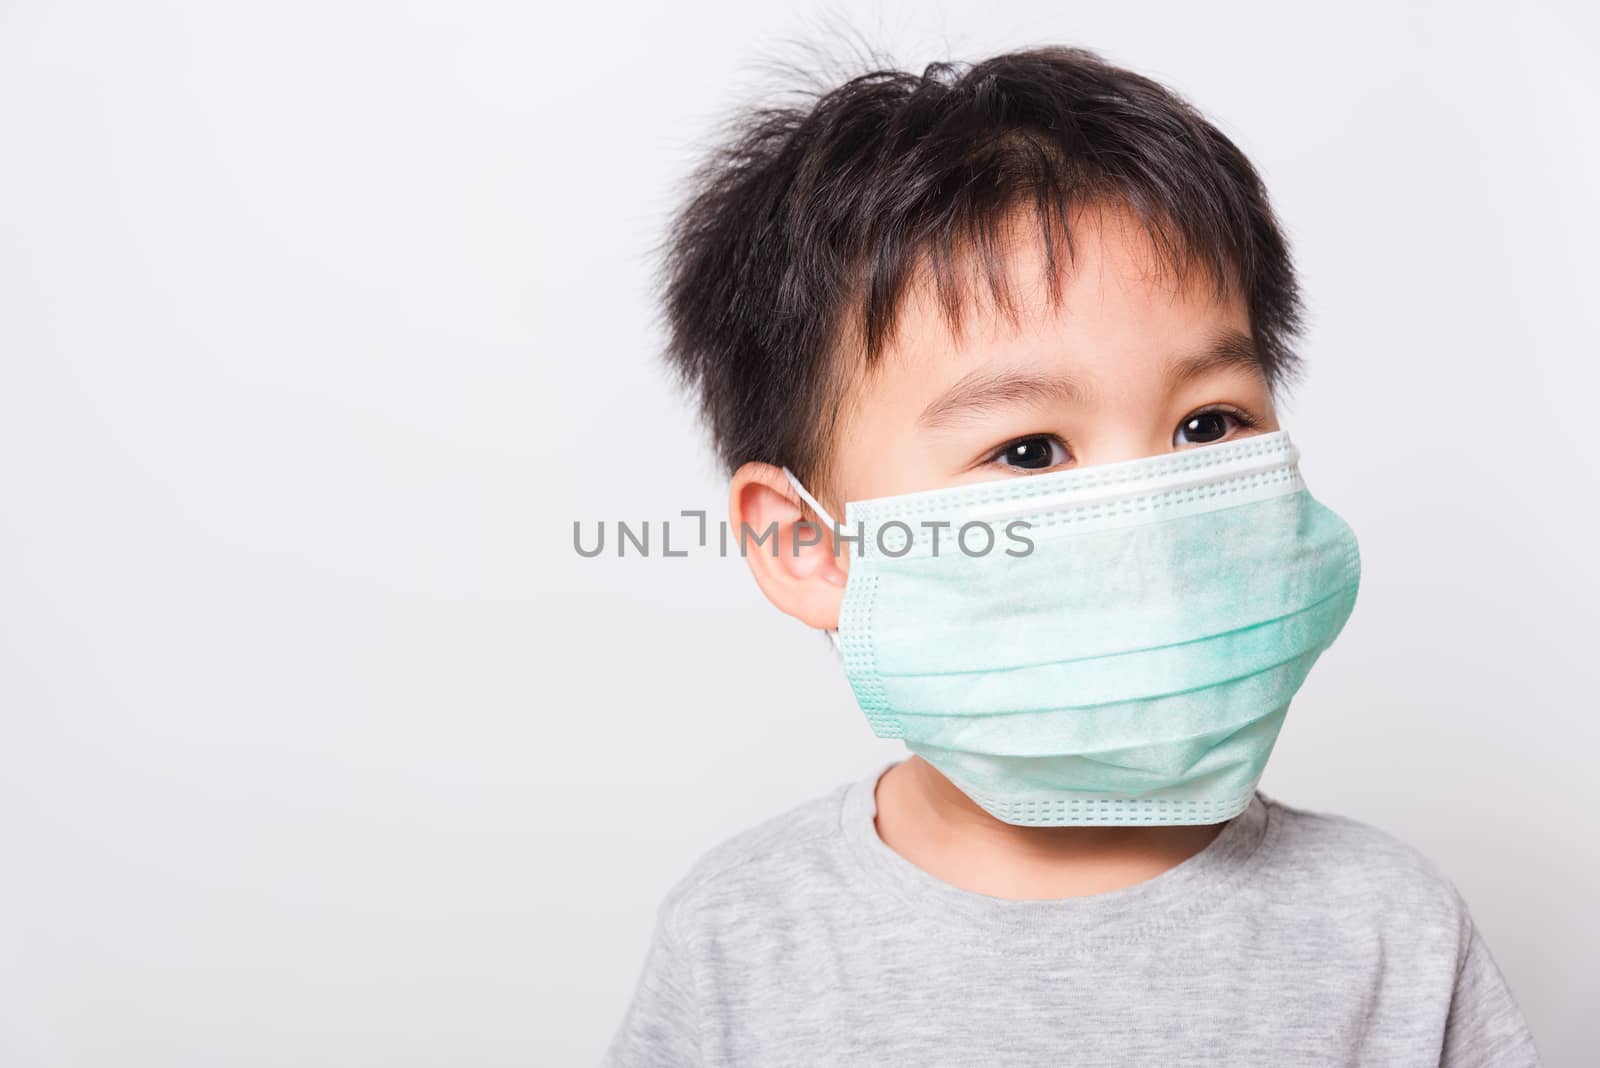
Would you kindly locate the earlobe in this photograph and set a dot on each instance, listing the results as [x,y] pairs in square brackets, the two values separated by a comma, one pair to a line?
[792,554]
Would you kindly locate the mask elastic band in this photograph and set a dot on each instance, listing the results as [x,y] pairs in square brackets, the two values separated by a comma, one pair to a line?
[816,506]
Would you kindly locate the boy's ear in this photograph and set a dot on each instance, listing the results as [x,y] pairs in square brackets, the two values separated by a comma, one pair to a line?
[791,552]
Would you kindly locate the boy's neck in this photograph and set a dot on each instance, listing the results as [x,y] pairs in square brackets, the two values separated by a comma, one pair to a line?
[923,816]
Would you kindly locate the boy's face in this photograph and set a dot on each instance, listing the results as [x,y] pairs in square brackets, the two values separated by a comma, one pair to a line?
[1127,365]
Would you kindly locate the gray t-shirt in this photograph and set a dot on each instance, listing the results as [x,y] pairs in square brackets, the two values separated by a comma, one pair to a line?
[1294,938]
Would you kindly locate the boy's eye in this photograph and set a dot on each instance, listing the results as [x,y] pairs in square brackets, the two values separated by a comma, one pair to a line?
[1034,453]
[1203,428]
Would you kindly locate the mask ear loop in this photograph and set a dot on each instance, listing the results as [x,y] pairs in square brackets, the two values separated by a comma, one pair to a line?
[816,506]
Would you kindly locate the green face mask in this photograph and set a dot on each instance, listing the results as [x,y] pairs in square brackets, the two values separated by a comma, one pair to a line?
[1114,644]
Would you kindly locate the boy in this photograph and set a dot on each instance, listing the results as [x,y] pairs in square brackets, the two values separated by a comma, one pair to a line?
[1073,866]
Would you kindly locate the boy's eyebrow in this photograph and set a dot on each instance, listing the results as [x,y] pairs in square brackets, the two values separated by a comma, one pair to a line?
[981,391]
[1228,348]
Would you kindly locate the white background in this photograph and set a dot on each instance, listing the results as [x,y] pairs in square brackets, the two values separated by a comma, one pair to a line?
[320,324]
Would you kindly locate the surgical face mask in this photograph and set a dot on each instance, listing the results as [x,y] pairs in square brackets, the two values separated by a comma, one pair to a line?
[1125,650]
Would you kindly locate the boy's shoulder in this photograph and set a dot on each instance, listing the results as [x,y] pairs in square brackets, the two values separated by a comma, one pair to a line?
[783,856]
[1353,866]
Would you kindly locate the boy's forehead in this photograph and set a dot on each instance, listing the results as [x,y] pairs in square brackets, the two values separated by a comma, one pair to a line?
[1123,313]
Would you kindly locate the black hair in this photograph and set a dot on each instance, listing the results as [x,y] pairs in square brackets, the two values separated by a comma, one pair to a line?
[804,224]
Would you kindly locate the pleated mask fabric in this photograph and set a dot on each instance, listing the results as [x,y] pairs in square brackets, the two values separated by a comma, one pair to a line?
[1114,644]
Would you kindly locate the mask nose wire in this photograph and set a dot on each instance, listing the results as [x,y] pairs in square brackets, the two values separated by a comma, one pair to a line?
[816,505]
